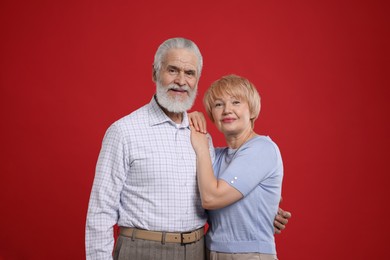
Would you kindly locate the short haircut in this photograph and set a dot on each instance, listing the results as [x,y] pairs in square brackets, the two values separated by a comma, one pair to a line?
[176,43]
[235,86]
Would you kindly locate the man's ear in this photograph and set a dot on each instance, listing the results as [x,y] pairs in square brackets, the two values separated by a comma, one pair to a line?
[154,74]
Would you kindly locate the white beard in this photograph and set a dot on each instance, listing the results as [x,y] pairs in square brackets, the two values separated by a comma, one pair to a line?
[175,105]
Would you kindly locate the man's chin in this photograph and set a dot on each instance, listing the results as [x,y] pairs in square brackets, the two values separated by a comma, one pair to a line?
[175,104]
[177,108]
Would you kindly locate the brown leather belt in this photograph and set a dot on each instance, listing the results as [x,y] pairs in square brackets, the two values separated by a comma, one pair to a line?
[168,237]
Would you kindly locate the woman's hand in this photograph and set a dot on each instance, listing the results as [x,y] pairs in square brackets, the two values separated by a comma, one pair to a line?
[199,141]
[198,131]
[197,121]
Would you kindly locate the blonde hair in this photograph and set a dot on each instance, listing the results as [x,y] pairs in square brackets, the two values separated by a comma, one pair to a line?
[235,86]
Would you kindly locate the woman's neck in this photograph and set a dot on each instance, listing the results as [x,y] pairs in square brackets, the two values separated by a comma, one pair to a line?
[236,141]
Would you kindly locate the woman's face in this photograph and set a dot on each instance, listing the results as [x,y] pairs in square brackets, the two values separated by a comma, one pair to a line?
[231,115]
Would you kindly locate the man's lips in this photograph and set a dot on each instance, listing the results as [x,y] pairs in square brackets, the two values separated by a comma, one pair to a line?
[178,91]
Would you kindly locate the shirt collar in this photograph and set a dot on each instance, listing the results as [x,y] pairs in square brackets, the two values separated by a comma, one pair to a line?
[157,115]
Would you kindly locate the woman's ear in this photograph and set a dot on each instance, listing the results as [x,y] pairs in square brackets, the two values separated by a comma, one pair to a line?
[254,114]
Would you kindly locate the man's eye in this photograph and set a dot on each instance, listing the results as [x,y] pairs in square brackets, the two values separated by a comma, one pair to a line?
[172,71]
[190,73]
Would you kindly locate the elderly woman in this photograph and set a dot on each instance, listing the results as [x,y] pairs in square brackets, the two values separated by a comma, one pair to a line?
[242,188]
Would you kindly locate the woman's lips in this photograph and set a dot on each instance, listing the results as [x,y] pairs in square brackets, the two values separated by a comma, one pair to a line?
[228,120]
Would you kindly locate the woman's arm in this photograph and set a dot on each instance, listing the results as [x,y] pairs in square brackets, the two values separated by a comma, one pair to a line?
[214,193]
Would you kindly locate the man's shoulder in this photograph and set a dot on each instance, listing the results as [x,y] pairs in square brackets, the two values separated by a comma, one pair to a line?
[136,118]
[138,113]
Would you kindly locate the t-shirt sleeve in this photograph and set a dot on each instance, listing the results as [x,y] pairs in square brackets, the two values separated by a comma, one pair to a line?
[252,165]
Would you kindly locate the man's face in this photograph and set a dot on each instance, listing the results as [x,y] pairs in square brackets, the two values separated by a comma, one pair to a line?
[178,80]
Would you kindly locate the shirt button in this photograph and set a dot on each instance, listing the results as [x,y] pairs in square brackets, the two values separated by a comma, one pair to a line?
[232,182]
[235,178]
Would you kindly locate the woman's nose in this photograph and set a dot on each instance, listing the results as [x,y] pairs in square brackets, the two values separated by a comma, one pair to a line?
[227,109]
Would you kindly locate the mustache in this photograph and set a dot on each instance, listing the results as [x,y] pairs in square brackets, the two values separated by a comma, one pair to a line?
[177,87]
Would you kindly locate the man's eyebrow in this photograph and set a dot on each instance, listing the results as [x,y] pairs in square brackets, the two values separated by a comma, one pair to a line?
[193,71]
[172,67]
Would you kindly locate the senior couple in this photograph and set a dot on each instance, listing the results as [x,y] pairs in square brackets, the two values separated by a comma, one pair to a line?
[159,178]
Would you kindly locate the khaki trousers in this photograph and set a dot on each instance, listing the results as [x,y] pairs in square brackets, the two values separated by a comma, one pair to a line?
[138,249]
[212,255]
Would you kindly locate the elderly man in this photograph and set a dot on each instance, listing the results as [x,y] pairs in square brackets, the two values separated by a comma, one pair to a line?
[145,177]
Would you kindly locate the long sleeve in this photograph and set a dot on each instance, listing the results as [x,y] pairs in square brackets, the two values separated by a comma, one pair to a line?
[105,196]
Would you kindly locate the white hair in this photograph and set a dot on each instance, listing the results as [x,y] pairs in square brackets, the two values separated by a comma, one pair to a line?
[176,43]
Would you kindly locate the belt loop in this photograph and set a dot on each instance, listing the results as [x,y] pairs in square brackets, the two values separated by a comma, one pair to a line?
[183,239]
[133,236]
[163,237]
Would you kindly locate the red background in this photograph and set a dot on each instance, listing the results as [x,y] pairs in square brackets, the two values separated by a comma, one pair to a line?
[71,68]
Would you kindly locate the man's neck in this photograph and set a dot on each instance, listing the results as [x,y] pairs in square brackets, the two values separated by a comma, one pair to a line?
[175,117]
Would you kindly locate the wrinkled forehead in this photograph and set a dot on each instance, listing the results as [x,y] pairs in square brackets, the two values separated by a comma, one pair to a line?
[181,59]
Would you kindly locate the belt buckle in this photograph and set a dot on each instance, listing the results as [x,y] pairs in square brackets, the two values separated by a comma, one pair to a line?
[182,237]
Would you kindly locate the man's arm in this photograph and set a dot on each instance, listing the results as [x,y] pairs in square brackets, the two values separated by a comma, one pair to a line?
[281,220]
[105,195]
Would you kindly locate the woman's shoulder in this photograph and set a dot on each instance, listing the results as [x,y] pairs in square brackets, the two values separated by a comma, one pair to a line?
[263,142]
[262,139]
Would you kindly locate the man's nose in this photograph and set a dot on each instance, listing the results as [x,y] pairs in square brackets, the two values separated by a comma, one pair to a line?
[180,79]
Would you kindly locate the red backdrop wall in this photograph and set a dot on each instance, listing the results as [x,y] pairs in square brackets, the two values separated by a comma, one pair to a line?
[71,68]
